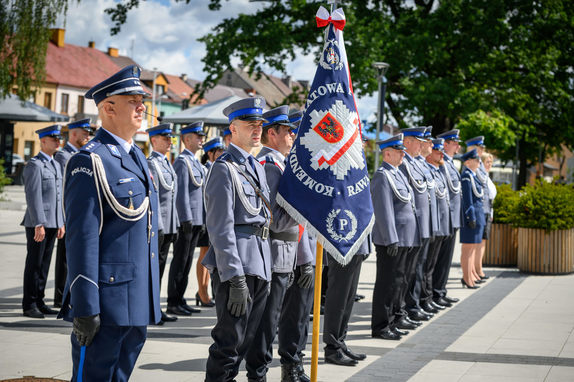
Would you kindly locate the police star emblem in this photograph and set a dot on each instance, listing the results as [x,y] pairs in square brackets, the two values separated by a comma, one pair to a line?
[257,102]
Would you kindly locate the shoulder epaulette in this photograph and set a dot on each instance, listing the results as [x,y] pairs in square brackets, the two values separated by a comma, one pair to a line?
[224,157]
[91,146]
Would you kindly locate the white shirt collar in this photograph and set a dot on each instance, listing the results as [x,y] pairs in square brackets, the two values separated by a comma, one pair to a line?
[122,142]
[189,153]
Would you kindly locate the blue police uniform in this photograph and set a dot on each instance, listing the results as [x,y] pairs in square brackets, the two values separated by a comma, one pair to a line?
[189,204]
[284,235]
[444,261]
[43,189]
[482,176]
[111,210]
[238,221]
[61,267]
[297,305]
[396,236]
[165,181]
[443,230]
[472,204]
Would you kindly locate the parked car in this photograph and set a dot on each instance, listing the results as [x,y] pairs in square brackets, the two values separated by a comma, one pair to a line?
[15,160]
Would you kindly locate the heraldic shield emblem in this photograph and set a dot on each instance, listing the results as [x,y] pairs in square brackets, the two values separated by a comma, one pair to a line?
[325,184]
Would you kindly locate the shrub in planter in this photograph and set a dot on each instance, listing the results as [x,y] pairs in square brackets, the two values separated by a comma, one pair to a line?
[545,217]
[504,204]
[502,247]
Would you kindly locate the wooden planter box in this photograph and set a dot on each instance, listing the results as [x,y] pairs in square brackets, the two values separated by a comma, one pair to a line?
[545,252]
[502,246]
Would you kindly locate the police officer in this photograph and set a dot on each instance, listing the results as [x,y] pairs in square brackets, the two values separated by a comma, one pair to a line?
[165,182]
[444,229]
[277,138]
[226,137]
[395,235]
[482,175]
[452,176]
[112,290]
[238,214]
[420,180]
[78,136]
[189,203]
[43,219]
[471,232]
[212,150]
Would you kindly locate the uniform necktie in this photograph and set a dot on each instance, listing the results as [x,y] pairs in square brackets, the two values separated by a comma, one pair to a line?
[251,160]
[134,156]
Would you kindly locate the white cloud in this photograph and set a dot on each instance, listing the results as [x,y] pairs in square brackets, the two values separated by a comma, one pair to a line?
[164,35]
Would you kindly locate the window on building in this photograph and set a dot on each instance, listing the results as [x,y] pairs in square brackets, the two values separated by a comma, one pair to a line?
[28,150]
[48,100]
[65,102]
[81,104]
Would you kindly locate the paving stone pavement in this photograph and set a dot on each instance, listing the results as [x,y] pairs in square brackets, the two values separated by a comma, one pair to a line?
[515,328]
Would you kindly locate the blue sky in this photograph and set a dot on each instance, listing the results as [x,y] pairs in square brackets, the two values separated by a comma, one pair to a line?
[163,35]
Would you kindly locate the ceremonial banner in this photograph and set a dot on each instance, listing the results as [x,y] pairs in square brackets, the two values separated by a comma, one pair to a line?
[325,183]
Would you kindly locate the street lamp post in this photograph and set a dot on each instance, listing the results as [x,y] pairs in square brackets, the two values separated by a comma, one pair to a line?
[382,69]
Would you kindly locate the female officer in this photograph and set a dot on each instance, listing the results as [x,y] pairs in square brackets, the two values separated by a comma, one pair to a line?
[473,217]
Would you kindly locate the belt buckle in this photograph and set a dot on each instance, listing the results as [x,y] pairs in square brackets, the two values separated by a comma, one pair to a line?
[264,232]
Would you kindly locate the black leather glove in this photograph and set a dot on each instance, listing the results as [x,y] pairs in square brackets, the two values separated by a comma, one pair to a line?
[238,296]
[187,226]
[203,229]
[160,237]
[85,329]
[306,277]
[472,224]
[175,237]
[393,250]
[291,279]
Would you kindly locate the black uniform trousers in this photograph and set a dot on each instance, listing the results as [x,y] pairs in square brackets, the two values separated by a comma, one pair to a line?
[163,243]
[429,267]
[111,356]
[413,254]
[294,322]
[60,271]
[232,336]
[38,257]
[414,290]
[341,291]
[260,353]
[181,264]
[386,294]
[442,267]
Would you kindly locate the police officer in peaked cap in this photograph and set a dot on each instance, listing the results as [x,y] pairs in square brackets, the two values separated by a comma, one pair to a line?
[112,289]
[165,181]
[78,136]
[238,216]
[43,219]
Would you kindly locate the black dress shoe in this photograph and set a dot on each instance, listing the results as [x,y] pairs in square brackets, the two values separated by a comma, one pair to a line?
[404,324]
[359,297]
[429,308]
[437,306]
[178,311]
[386,334]
[46,310]
[356,356]
[166,318]
[160,323]
[443,302]
[189,308]
[452,300]
[399,331]
[33,313]
[340,358]
[419,316]
[414,322]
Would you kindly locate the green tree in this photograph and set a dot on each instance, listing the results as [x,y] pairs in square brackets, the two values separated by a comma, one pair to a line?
[24,36]
[448,59]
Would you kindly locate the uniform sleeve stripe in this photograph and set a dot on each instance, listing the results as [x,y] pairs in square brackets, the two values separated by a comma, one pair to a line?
[84,277]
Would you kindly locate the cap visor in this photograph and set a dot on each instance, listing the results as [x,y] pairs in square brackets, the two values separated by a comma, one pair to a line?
[421,139]
[399,147]
[251,117]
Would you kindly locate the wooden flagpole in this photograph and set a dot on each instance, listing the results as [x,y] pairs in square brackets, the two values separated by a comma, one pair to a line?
[316,312]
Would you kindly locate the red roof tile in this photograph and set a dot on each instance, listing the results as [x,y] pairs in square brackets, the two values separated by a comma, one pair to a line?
[77,66]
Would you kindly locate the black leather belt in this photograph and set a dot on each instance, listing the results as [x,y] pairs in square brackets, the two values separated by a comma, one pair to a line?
[262,232]
[285,236]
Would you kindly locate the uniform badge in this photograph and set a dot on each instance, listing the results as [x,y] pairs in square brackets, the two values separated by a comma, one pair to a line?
[114,150]
[257,102]
[331,58]
[135,71]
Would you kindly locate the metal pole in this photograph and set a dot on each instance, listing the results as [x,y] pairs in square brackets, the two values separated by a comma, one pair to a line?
[153,97]
[379,119]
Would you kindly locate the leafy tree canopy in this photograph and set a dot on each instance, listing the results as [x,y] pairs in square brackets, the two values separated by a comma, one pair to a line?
[24,36]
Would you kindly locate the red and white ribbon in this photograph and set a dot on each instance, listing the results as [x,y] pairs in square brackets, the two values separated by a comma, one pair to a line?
[337,18]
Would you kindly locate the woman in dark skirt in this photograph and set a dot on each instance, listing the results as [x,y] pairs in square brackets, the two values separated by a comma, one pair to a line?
[473,218]
[212,150]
